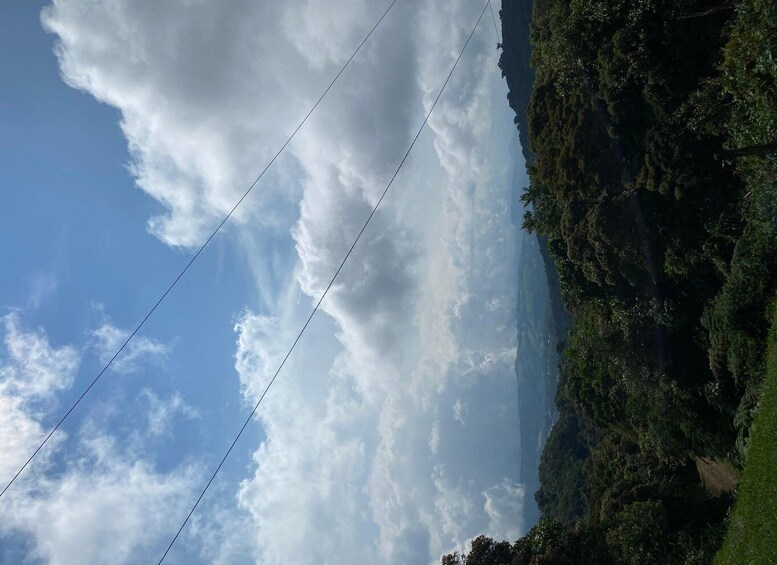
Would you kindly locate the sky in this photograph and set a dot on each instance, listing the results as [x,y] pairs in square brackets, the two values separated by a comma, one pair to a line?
[129,129]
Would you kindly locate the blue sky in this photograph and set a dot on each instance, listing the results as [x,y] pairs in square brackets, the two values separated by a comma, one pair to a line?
[76,237]
[128,129]
[76,233]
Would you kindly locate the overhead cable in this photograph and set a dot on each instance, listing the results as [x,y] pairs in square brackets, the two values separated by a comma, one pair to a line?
[493,17]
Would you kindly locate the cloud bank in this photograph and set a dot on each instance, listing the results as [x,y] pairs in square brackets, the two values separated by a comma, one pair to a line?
[392,434]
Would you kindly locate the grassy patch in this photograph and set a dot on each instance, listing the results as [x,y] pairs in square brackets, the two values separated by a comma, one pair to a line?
[752,531]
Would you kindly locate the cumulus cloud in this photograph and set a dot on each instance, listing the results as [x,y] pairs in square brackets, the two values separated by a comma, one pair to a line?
[31,373]
[222,533]
[35,370]
[108,504]
[105,510]
[365,457]
[187,78]
[504,506]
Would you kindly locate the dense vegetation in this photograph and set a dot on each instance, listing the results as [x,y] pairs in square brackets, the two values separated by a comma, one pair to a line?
[653,126]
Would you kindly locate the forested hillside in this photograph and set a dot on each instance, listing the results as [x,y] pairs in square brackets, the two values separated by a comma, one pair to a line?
[653,128]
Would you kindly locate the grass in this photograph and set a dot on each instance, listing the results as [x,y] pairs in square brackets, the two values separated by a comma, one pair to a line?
[752,529]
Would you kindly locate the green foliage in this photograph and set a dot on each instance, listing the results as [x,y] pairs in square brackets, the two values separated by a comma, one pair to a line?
[638,534]
[664,270]
[743,104]
[547,543]
[653,186]
[562,494]
[483,551]
[750,75]
[736,321]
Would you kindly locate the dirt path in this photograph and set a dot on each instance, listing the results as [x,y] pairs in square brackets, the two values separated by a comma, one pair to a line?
[719,477]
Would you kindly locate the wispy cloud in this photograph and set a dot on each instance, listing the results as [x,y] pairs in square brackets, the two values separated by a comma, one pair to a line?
[45,283]
[161,412]
[142,350]
[42,286]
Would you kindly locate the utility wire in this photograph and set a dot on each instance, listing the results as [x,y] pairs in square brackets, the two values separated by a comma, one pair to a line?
[326,291]
[493,17]
[199,251]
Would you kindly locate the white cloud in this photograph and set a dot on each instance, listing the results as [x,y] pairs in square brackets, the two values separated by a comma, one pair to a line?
[107,339]
[459,411]
[108,505]
[106,510]
[364,460]
[504,506]
[161,412]
[222,532]
[34,370]
[31,373]
[42,286]
[187,78]
[19,434]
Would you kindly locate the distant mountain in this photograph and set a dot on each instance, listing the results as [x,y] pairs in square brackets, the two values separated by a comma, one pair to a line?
[536,365]
[541,319]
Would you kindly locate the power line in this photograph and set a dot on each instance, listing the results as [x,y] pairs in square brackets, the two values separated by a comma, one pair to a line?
[199,251]
[493,17]
[326,291]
